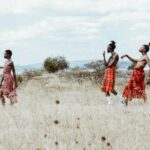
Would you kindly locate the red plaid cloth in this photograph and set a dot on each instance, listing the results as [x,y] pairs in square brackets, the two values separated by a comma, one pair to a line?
[136,86]
[108,81]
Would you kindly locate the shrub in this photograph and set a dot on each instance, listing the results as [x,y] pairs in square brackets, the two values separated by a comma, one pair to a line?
[76,69]
[29,74]
[55,64]
[97,68]
[19,79]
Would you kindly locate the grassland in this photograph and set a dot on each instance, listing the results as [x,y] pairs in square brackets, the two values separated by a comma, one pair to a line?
[58,114]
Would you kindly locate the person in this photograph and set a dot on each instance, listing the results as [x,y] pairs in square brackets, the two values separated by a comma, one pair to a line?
[136,86]
[108,82]
[8,83]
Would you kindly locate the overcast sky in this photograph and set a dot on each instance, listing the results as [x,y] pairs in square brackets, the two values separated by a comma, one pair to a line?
[76,29]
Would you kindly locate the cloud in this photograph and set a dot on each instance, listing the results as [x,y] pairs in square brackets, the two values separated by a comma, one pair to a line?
[22,7]
[51,28]
[82,6]
[82,26]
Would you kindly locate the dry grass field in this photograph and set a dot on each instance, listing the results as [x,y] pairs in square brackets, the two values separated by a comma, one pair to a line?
[56,114]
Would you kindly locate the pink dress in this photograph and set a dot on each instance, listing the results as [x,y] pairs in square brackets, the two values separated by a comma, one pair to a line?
[8,83]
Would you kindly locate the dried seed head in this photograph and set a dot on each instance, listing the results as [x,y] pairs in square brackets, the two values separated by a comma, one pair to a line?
[103,138]
[78,118]
[78,127]
[56,122]
[108,144]
[45,135]
[57,102]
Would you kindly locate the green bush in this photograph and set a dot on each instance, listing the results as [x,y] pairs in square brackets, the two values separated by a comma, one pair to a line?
[55,64]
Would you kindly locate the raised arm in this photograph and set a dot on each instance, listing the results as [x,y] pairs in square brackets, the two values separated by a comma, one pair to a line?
[14,75]
[130,58]
[105,62]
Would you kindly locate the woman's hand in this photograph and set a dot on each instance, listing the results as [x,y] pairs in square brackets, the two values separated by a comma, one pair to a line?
[123,56]
[104,53]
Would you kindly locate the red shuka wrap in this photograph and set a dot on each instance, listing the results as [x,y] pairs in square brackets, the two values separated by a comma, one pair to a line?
[108,81]
[136,86]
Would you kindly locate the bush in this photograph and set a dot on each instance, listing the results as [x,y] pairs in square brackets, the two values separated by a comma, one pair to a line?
[76,69]
[29,74]
[92,71]
[55,64]
[97,69]
[19,79]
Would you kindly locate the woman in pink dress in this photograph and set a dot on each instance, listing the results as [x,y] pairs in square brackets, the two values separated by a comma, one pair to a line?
[8,83]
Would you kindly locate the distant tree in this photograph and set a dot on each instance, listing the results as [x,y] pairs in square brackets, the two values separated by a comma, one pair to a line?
[97,68]
[55,64]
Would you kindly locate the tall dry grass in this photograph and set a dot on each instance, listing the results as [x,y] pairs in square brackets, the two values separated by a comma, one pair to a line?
[57,114]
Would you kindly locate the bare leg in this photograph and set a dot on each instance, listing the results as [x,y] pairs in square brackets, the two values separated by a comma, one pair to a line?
[114,92]
[3,101]
[126,101]
[2,98]
[107,94]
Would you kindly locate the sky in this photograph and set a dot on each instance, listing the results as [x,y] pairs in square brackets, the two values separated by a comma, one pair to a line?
[76,29]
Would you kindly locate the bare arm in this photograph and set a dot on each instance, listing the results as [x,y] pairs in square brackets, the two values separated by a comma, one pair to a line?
[148,62]
[113,61]
[149,74]
[14,75]
[2,80]
[105,62]
[130,58]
